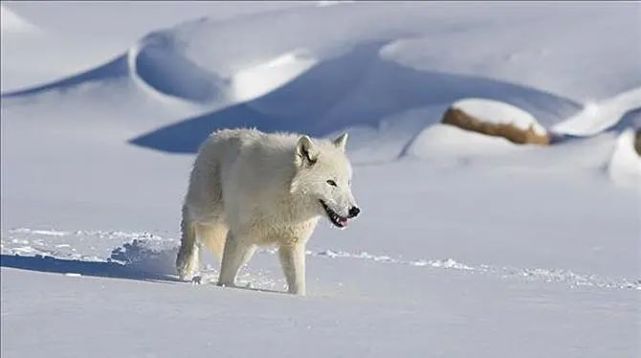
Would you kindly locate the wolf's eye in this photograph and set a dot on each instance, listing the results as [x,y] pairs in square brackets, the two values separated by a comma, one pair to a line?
[331,182]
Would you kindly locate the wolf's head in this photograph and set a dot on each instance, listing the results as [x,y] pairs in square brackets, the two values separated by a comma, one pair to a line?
[323,179]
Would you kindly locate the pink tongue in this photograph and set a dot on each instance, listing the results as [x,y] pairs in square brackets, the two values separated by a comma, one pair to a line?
[342,221]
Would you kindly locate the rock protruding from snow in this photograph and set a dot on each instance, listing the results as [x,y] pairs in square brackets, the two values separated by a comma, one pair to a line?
[625,165]
[496,119]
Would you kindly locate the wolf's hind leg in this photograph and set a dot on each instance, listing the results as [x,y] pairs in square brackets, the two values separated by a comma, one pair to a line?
[213,236]
[188,259]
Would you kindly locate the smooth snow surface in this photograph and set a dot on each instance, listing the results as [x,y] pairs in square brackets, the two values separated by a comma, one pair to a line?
[10,22]
[467,245]
[580,53]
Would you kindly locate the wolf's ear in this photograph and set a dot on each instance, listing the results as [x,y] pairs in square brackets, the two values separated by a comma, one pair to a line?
[341,141]
[306,151]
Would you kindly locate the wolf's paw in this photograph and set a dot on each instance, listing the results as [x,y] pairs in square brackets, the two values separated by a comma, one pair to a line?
[226,284]
[185,273]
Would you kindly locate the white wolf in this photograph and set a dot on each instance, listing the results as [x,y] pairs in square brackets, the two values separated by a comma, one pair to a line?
[249,188]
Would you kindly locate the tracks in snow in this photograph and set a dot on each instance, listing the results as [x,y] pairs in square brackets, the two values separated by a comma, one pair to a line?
[151,252]
[533,274]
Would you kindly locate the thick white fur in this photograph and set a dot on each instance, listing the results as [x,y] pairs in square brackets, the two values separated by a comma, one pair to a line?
[249,189]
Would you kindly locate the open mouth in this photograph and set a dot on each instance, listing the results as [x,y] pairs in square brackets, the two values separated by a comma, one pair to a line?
[336,219]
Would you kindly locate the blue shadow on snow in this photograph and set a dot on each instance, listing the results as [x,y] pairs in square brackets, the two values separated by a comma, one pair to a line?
[84,268]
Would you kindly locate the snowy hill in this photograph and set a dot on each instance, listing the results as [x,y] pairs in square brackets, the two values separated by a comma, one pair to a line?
[468,245]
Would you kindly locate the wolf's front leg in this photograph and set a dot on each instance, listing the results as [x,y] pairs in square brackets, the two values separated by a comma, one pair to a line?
[237,252]
[292,258]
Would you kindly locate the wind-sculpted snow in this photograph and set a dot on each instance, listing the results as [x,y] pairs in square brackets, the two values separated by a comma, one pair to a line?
[112,70]
[321,84]
[632,120]
[355,89]
[157,61]
[609,113]
[156,64]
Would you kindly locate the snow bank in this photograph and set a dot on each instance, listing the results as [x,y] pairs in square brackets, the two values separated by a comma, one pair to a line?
[269,71]
[90,38]
[157,64]
[441,141]
[625,166]
[599,116]
[263,78]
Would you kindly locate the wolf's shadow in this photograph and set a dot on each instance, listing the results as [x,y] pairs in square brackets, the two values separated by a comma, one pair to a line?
[85,268]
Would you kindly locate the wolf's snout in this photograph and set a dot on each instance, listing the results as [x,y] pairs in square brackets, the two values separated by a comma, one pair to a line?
[353,211]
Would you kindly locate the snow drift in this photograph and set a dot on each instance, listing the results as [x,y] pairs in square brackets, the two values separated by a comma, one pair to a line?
[323,83]
[356,88]
[625,166]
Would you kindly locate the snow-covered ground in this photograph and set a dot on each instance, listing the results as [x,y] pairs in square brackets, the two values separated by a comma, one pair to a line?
[468,245]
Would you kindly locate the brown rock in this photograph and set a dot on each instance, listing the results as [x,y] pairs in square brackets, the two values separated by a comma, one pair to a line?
[458,118]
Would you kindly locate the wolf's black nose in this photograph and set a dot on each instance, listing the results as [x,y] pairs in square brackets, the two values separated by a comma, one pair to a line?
[353,211]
